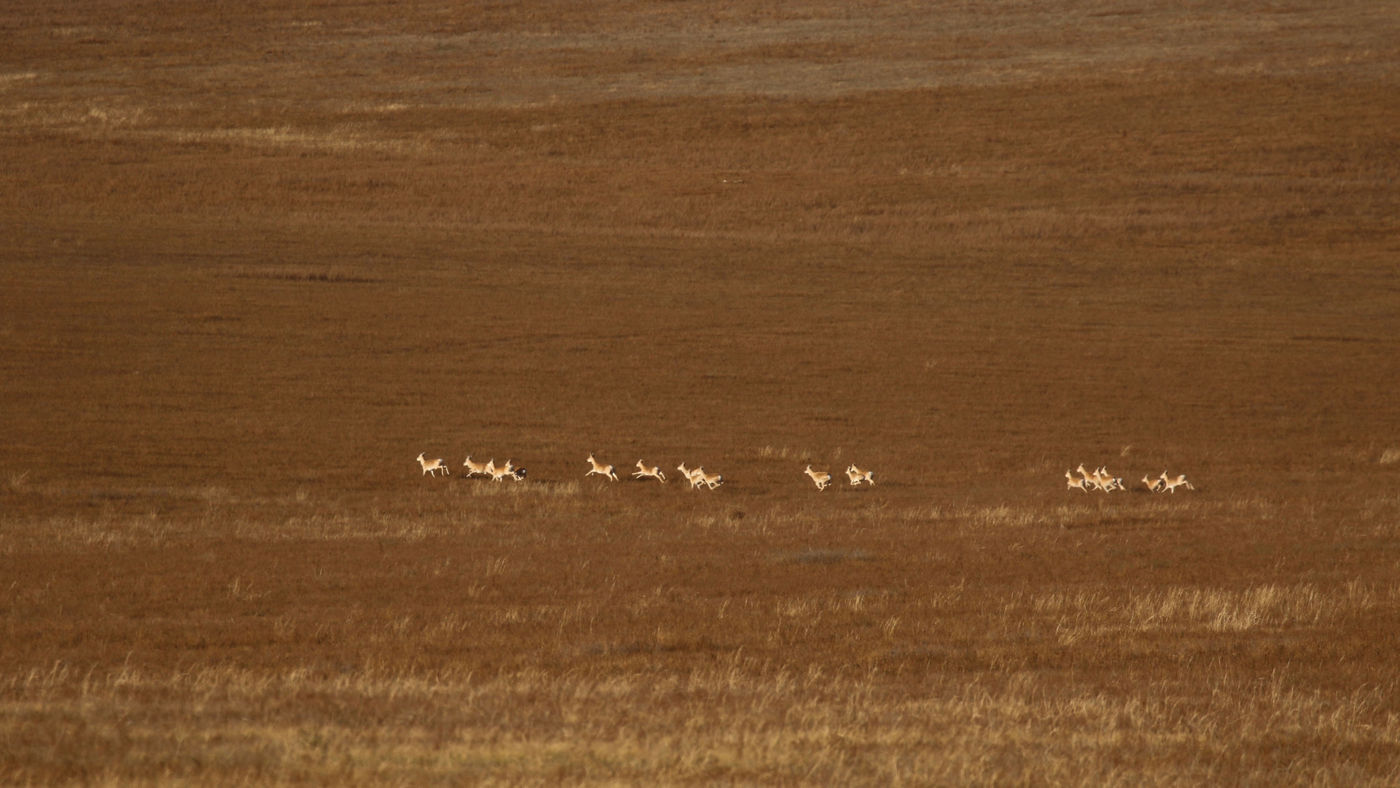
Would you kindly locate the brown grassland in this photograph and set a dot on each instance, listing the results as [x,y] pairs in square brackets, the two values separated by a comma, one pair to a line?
[255,257]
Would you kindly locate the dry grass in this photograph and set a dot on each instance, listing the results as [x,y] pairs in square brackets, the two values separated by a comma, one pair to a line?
[592,637]
[734,720]
[254,265]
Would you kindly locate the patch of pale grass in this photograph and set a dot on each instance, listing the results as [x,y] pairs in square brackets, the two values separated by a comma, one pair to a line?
[88,119]
[1099,613]
[212,493]
[1383,514]
[494,567]
[811,517]
[924,513]
[733,521]
[1028,515]
[76,532]
[733,721]
[1115,510]
[527,489]
[11,78]
[339,140]
[1390,457]
[1270,606]
[351,107]
[334,527]
[115,116]
[244,590]
[786,454]
[300,273]
[823,556]
[18,482]
[1001,516]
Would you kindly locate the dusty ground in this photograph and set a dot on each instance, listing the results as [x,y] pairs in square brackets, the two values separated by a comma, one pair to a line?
[253,265]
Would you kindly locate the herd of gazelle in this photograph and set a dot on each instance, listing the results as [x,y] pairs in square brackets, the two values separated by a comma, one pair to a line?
[1099,479]
[1103,481]
[697,476]
[856,475]
[488,469]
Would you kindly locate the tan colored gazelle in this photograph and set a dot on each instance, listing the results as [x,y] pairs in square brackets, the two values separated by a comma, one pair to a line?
[1108,481]
[475,468]
[653,472]
[499,472]
[857,475]
[1092,480]
[711,480]
[695,476]
[432,466]
[600,469]
[1170,484]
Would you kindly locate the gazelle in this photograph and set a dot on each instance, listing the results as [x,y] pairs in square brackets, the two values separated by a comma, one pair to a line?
[500,472]
[1170,485]
[1090,479]
[475,468]
[600,469]
[1108,481]
[1072,483]
[711,480]
[432,466]
[819,478]
[654,472]
[856,475]
[695,476]
[1153,485]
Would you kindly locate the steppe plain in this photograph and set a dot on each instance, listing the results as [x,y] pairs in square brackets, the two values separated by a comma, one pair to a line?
[255,257]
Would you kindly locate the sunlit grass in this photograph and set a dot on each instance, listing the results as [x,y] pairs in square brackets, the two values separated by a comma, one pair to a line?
[728,721]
